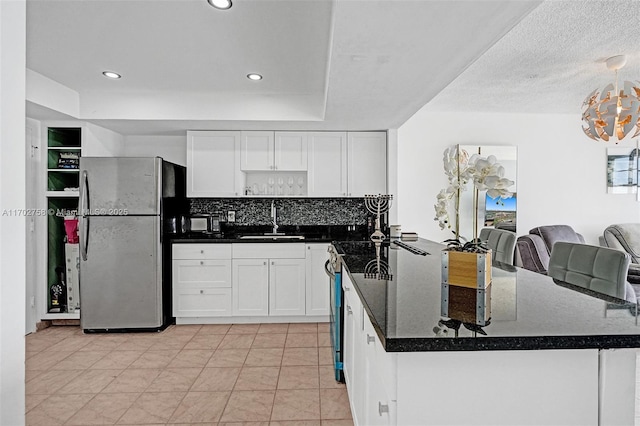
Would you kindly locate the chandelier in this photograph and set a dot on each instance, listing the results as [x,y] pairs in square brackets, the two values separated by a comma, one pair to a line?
[613,113]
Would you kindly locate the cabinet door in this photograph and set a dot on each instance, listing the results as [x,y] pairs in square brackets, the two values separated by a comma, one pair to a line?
[256,151]
[317,282]
[287,287]
[213,160]
[367,160]
[291,151]
[378,407]
[327,164]
[354,341]
[250,279]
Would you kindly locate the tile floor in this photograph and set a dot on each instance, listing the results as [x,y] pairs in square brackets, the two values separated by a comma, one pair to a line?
[240,374]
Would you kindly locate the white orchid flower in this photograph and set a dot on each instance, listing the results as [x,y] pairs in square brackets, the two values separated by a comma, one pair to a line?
[442,208]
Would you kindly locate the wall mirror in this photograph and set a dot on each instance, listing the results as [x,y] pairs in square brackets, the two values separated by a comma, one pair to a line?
[496,213]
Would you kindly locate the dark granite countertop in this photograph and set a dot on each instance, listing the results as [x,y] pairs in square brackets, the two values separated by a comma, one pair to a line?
[528,310]
[311,234]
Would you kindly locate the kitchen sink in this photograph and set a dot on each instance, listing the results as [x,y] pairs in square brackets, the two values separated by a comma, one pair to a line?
[272,237]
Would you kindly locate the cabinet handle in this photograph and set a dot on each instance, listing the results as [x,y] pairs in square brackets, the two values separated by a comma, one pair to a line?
[201,291]
[349,311]
[382,408]
[273,263]
[201,251]
[202,262]
[347,289]
[264,263]
[370,339]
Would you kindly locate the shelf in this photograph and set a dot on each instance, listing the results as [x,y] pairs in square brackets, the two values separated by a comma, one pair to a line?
[64,137]
[63,170]
[65,148]
[62,194]
[50,316]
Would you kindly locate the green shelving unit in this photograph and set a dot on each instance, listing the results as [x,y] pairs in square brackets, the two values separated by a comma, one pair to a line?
[62,197]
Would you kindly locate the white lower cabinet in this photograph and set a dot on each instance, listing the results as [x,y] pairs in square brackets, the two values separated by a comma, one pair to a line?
[272,286]
[249,280]
[250,287]
[368,369]
[317,282]
[201,280]
[287,287]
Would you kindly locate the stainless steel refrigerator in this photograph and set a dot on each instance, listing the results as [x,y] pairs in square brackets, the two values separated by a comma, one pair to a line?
[123,202]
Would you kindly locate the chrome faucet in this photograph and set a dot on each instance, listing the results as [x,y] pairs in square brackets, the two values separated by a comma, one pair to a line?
[274,217]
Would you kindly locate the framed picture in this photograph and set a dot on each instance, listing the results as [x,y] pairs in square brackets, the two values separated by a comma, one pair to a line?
[622,170]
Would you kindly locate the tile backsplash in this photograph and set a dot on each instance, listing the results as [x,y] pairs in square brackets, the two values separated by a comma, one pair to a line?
[291,211]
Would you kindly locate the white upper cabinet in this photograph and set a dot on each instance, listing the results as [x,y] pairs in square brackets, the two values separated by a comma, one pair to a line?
[270,151]
[213,160]
[257,151]
[327,164]
[291,151]
[367,163]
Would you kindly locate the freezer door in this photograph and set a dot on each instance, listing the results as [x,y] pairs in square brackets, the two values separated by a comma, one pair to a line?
[120,185]
[121,277]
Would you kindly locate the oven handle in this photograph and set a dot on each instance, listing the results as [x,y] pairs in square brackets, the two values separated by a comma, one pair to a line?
[326,269]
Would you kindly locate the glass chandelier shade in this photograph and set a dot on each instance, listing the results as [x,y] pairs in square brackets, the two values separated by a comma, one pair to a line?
[612,114]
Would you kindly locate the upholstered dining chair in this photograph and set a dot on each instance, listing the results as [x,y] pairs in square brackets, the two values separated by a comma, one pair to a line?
[625,237]
[501,242]
[534,249]
[600,270]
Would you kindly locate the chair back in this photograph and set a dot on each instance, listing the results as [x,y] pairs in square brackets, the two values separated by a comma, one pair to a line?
[534,248]
[625,237]
[501,242]
[599,269]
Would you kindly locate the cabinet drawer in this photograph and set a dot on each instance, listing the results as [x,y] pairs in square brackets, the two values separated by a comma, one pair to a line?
[201,273]
[202,251]
[203,302]
[268,251]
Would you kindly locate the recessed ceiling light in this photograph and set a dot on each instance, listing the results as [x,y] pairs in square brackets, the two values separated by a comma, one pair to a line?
[111,74]
[220,4]
[254,77]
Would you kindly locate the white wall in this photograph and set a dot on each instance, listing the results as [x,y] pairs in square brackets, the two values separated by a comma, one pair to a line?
[561,172]
[170,148]
[100,142]
[12,196]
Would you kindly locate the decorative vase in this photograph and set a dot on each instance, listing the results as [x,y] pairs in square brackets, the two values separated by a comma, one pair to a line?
[466,269]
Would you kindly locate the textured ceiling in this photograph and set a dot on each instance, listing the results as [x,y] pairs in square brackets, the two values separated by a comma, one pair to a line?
[550,61]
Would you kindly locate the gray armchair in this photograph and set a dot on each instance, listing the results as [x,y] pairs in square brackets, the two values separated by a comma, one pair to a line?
[501,242]
[591,269]
[625,237]
[534,249]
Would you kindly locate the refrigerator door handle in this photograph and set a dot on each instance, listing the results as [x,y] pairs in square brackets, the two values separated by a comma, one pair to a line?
[84,210]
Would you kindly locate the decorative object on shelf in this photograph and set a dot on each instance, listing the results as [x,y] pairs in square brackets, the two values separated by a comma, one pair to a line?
[378,204]
[613,113]
[68,160]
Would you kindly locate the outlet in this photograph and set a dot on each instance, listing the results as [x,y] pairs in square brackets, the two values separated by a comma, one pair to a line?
[231,216]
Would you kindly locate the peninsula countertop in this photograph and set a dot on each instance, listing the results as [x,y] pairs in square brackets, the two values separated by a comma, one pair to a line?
[528,310]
